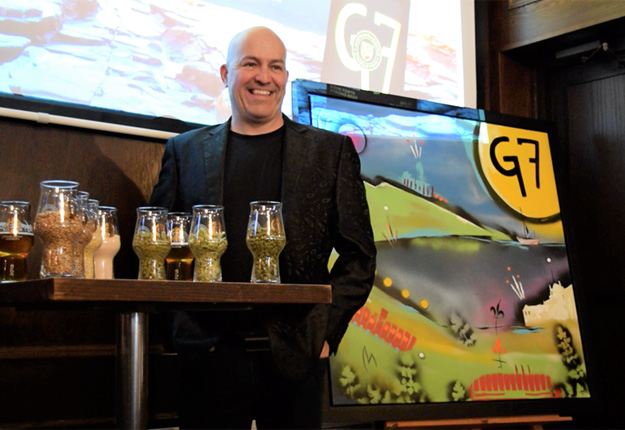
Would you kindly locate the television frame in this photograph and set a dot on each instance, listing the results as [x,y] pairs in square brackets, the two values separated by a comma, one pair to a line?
[301,92]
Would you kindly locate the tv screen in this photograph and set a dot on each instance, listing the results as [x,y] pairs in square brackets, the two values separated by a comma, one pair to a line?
[474,308]
[154,64]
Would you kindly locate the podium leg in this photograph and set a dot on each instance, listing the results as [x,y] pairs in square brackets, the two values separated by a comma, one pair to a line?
[131,405]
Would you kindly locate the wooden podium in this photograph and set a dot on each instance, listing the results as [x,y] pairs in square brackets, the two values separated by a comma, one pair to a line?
[132,300]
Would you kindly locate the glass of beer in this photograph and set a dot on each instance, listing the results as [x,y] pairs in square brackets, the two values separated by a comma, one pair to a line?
[179,259]
[96,238]
[16,240]
[108,229]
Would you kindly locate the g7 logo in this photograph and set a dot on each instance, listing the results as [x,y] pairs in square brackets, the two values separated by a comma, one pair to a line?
[517,168]
[366,51]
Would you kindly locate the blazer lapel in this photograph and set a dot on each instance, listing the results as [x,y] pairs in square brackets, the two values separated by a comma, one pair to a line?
[214,149]
[295,150]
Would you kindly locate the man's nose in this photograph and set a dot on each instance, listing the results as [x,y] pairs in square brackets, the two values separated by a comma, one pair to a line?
[263,75]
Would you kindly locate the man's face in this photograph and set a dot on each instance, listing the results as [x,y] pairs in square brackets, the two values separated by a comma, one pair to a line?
[256,77]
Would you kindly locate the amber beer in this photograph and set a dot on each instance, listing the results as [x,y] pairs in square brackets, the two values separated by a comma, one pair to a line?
[179,262]
[13,252]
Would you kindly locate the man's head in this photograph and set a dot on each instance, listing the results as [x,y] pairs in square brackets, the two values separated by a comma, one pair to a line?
[256,77]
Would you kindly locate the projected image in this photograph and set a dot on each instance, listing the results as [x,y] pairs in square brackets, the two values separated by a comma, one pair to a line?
[473,298]
[162,57]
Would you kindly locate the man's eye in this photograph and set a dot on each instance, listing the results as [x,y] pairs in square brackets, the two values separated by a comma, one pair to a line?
[248,64]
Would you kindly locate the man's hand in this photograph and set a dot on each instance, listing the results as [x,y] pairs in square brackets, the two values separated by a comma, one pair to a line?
[325,351]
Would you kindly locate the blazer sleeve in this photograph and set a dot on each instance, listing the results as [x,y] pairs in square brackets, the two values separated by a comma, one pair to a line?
[353,272]
[165,191]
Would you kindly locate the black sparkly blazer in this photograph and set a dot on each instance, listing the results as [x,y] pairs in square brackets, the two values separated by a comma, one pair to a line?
[324,208]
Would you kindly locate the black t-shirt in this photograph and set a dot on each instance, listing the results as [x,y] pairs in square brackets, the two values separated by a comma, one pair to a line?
[253,171]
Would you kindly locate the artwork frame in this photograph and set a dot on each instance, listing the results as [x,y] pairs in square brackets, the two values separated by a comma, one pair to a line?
[499,179]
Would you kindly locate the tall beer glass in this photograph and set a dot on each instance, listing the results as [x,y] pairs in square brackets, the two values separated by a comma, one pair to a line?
[208,242]
[265,240]
[180,257]
[58,225]
[108,229]
[16,240]
[150,242]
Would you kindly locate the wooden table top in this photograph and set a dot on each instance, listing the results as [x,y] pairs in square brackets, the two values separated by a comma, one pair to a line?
[150,294]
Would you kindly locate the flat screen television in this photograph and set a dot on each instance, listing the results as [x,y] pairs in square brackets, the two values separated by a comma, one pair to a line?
[474,309]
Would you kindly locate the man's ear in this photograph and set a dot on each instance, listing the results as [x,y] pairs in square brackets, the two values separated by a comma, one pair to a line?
[223,71]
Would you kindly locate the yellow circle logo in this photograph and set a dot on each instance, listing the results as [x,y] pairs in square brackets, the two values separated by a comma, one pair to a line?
[516,165]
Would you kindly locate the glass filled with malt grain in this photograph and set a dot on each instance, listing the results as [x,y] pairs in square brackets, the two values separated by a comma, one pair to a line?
[57,224]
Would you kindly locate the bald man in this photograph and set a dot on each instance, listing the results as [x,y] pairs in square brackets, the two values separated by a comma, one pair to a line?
[268,364]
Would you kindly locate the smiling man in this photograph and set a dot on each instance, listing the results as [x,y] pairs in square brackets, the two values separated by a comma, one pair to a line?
[267,364]
[256,76]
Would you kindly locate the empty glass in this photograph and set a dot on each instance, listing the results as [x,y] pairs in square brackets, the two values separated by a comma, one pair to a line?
[58,225]
[208,242]
[96,238]
[150,241]
[180,257]
[16,240]
[85,235]
[265,240]
[108,230]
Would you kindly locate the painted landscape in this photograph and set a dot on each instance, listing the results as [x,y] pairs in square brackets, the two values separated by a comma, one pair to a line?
[473,297]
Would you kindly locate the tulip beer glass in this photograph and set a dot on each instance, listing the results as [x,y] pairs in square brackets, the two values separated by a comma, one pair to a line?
[16,240]
[150,241]
[108,230]
[180,257]
[265,240]
[58,224]
[96,238]
[208,242]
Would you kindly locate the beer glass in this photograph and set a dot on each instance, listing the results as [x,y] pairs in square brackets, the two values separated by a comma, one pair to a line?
[180,257]
[108,230]
[58,225]
[265,239]
[96,238]
[150,241]
[78,251]
[16,240]
[208,242]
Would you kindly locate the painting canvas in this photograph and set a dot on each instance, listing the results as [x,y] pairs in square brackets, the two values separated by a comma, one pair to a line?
[474,297]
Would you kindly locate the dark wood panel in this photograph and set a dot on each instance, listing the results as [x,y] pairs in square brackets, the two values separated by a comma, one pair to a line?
[595,138]
[78,392]
[546,19]
[117,170]
[587,104]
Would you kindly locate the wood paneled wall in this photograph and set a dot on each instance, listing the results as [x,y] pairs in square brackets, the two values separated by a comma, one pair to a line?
[515,38]
[532,21]
[57,367]
[116,170]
